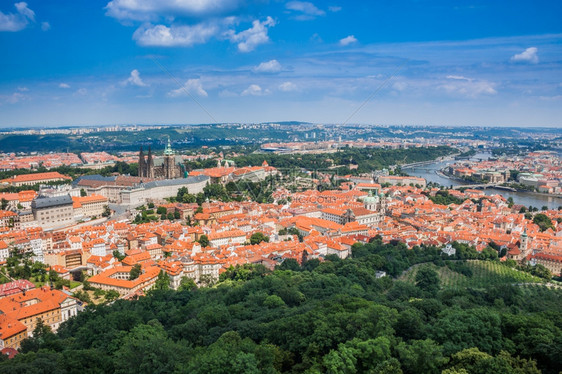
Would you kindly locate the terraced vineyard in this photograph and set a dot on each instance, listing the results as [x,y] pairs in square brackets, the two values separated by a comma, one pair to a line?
[485,273]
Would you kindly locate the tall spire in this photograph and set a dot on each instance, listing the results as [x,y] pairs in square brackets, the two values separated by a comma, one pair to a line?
[141,171]
[170,170]
[149,164]
[168,151]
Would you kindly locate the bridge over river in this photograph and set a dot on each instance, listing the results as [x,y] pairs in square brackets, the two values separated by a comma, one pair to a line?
[483,186]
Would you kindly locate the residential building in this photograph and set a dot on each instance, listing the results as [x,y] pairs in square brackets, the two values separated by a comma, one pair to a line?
[51,212]
[31,179]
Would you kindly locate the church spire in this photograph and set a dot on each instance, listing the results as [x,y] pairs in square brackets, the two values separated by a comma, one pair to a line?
[168,151]
[142,169]
[149,164]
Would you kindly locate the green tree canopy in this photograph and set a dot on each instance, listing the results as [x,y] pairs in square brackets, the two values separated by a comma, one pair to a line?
[135,272]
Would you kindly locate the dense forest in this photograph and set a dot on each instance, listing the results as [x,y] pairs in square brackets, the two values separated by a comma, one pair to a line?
[188,137]
[366,159]
[334,316]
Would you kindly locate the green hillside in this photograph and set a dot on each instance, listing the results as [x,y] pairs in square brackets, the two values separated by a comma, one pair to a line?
[334,316]
[484,274]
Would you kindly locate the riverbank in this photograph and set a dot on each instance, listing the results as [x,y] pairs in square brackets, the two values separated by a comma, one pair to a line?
[421,163]
[443,174]
[431,173]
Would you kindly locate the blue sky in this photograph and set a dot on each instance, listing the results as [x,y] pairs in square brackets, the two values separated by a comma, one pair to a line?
[453,62]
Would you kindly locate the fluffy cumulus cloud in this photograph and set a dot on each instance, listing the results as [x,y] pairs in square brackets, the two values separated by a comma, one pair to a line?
[334,8]
[254,90]
[272,66]
[467,87]
[287,87]
[17,21]
[188,35]
[249,39]
[25,11]
[184,23]
[527,56]
[151,10]
[134,79]
[174,36]
[191,87]
[305,10]
[348,40]
[64,85]
[45,26]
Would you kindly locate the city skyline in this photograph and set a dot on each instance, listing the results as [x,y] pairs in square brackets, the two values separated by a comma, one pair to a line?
[406,62]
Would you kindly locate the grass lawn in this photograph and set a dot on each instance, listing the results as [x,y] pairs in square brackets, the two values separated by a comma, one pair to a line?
[74,284]
[485,273]
[99,300]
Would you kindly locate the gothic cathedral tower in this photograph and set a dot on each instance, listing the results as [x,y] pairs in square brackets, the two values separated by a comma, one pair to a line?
[149,164]
[168,169]
[142,168]
[169,162]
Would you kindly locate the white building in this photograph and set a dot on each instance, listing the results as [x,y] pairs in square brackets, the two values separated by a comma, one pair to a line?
[98,248]
[227,237]
[4,251]
[161,189]
[37,249]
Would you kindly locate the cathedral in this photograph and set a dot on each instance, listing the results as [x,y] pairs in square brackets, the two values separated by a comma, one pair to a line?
[166,168]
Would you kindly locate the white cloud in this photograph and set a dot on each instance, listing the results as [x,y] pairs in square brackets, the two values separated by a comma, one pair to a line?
[287,86]
[529,56]
[458,77]
[13,98]
[348,40]
[64,85]
[254,90]
[23,89]
[17,21]
[189,35]
[400,86]
[316,38]
[151,10]
[25,11]
[551,98]
[45,26]
[173,36]
[227,93]
[272,66]
[192,86]
[307,10]
[249,39]
[134,79]
[81,92]
[334,9]
[468,87]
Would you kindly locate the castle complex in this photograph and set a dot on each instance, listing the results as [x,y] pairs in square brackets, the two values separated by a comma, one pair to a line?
[169,169]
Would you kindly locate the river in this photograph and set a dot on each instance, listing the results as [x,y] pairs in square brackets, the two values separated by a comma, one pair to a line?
[429,172]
